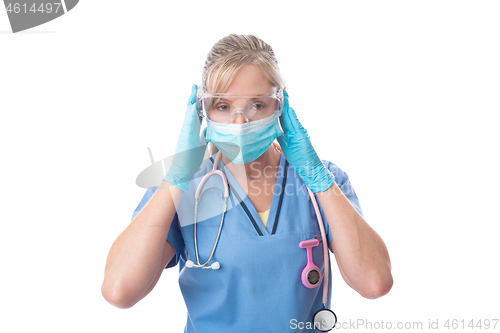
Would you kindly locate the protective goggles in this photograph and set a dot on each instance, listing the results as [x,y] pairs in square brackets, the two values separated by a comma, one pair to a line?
[223,108]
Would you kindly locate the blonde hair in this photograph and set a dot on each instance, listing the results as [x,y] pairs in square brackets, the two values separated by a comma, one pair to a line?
[231,53]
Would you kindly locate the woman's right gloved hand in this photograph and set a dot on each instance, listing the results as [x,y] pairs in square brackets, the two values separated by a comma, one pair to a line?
[190,148]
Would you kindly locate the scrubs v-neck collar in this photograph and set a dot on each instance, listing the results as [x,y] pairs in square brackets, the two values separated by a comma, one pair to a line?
[248,207]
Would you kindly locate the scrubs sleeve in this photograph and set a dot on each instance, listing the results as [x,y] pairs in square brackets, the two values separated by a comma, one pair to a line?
[343,182]
[174,236]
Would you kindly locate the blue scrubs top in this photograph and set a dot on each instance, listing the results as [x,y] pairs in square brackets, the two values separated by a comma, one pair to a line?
[258,287]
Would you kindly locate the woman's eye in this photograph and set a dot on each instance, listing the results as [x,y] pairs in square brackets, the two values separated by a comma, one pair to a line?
[258,106]
[222,108]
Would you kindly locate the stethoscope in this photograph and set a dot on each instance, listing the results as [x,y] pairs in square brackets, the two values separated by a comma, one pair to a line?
[324,319]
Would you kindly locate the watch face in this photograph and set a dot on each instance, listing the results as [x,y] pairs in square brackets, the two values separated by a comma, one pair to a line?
[313,277]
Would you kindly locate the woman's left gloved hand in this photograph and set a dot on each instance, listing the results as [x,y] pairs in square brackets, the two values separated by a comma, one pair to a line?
[300,153]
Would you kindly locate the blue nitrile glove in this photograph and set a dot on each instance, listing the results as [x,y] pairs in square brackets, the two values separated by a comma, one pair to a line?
[190,147]
[300,153]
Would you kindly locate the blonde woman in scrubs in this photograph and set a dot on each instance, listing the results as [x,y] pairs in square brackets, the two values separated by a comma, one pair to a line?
[258,286]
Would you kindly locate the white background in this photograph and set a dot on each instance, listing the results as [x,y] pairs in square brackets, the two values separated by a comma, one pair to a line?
[402,95]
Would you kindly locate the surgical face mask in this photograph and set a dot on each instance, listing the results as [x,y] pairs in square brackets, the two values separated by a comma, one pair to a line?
[244,143]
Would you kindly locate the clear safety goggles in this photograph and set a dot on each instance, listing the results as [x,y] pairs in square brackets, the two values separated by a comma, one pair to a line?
[223,107]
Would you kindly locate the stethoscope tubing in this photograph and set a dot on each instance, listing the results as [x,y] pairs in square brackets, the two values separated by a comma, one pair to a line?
[325,246]
[224,208]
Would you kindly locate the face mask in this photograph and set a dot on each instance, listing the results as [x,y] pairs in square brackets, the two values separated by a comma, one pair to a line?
[244,143]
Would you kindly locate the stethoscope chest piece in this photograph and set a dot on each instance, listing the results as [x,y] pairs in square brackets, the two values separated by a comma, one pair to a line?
[324,320]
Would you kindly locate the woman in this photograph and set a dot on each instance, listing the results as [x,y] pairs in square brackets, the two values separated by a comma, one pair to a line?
[255,282]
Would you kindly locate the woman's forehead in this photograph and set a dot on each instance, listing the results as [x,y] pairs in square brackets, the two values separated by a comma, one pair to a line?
[249,79]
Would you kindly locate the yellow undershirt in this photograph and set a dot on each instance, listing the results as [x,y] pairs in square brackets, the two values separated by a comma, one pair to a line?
[263,216]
